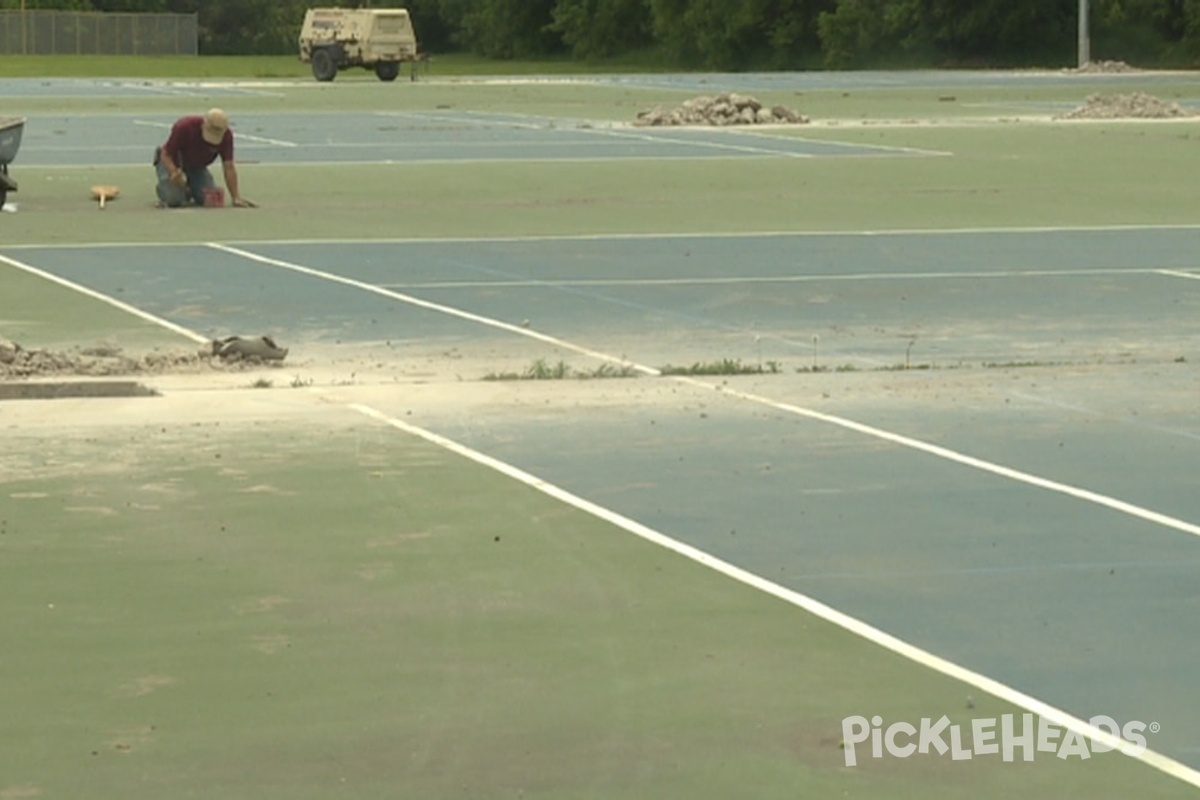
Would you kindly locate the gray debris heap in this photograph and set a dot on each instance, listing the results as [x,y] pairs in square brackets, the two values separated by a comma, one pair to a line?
[232,352]
[1126,106]
[722,110]
[20,362]
[1103,67]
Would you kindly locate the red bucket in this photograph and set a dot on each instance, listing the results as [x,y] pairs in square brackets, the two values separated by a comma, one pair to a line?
[214,197]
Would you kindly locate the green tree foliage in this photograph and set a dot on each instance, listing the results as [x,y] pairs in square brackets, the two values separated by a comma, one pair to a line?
[593,29]
[994,32]
[1147,30]
[436,27]
[864,32]
[730,34]
[509,28]
[739,34]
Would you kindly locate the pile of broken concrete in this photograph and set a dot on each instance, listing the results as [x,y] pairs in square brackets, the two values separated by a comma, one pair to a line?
[1136,105]
[1104,67]
[722,110]
[21,362]
[17,361]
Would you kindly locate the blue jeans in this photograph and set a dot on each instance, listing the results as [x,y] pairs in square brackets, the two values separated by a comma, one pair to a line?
[173,195]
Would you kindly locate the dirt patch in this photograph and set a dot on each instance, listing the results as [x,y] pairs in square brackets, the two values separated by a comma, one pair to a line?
[1135,105]
[103,360]
[262,605]
[271,643]
[127,740]
[722,110]
[19,792]
[144,686]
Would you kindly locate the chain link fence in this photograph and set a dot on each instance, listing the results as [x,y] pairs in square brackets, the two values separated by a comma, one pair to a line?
[56,33]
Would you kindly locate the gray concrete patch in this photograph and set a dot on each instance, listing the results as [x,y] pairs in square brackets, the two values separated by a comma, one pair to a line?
[57,390]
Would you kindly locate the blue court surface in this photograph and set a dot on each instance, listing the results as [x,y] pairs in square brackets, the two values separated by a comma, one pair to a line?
[1020,500]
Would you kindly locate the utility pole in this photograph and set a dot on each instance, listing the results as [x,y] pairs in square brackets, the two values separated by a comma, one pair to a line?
[1085,45]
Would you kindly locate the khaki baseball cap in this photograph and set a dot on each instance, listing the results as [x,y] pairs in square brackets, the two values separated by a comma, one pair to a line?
[216,122]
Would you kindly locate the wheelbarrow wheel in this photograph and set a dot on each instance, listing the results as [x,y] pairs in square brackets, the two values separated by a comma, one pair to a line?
[7,184]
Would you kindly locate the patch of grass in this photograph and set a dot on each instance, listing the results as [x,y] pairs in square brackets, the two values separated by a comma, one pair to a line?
[609,370]
[1020,364]
[818,368]
[905,367]
[542,370]
[725,366]
[262,383]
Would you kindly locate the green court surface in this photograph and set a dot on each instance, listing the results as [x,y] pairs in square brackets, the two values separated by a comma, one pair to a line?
[39,313]
[261,593]
[328,608]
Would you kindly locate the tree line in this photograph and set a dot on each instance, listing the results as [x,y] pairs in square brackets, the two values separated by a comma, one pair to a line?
[730,34]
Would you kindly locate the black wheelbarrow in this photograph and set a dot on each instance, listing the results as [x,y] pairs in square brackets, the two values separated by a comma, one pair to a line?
[10,141]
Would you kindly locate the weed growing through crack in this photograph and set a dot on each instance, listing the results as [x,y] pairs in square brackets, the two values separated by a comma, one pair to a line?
[541,370]
[609,370]
[726,366]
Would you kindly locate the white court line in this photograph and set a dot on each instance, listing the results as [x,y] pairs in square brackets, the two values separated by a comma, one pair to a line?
[707,235]
[917,151]
[751,279]
[1086,495]
[137,312]
[1174,273]
[815,607]
[444,309]
[708,145]
[627,131]
[237,134]
[743,234]
[516,122]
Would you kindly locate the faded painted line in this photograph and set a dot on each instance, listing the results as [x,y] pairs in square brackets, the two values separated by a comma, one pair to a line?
[1147,426]
[1093,567]
[876,149]
[752,279]
[703,236]
[851,624]
[1174,273]
[126,307]
[444,309]
[660,136]
[237,134]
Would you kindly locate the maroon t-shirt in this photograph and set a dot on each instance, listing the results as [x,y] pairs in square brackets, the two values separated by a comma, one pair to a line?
[187,148]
